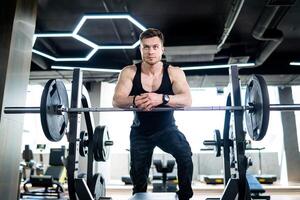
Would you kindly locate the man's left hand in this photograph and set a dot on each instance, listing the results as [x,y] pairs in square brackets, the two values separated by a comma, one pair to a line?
[152,100]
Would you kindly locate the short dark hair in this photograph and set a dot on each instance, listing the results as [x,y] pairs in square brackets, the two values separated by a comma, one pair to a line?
[152,32]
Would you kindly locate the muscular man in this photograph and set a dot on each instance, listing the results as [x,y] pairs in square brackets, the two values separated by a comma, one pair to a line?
[147,85]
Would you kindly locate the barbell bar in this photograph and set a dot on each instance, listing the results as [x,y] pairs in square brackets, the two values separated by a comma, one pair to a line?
[54,108]
[19,110]
[32,110]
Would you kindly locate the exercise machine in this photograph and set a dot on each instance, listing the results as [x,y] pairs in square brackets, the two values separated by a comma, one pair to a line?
[40,165]
[51,181]
[262,178]
[28,163]
[164,183]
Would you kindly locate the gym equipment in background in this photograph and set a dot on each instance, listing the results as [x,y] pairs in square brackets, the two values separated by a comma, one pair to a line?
[28,163]
[165,182]
[51,181]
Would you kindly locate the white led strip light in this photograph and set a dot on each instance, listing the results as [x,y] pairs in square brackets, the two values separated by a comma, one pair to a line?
[94,69]
[241,65]
[94,46]
[295,63]
[183,68]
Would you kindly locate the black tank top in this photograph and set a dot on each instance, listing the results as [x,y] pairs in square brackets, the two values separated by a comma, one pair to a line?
[148,123]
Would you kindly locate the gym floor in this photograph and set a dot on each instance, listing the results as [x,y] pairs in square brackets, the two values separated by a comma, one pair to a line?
[118,191]
[203,191]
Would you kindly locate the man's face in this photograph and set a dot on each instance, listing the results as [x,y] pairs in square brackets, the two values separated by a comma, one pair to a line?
[151,50]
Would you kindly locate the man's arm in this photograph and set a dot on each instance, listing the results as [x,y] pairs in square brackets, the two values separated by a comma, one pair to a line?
[123,87]
[182,95]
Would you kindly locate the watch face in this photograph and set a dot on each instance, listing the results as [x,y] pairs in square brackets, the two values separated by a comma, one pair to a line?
[166,98]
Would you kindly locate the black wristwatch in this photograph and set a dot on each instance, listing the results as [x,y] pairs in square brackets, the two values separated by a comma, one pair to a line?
[165,99]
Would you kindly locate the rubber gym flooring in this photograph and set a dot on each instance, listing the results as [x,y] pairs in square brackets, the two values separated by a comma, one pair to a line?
[201,192]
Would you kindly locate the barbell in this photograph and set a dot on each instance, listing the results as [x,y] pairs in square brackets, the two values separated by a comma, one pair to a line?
[54,108]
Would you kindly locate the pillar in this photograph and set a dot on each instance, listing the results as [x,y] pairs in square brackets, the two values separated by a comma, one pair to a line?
[17,25]
[290,141]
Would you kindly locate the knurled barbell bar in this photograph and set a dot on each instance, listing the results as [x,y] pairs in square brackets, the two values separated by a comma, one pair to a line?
[55,106]
[59,111]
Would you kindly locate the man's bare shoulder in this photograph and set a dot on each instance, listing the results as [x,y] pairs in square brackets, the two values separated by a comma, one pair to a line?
[175,70]
[129,70]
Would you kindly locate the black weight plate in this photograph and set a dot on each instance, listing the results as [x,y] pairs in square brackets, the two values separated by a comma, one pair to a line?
[101,143]
[98,188]
[54,125]
[257,121]
[96,138]
[217,147]
[106,143]
[83,149]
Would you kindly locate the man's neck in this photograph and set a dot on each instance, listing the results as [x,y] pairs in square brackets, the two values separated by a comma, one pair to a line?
[152,69]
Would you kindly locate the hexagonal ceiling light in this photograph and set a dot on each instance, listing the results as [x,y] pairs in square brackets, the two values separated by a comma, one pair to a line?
[53,35]
[94,46]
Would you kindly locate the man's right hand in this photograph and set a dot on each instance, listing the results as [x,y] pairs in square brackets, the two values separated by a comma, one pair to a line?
[147,101]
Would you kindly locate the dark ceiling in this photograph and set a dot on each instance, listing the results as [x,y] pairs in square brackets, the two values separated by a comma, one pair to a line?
[266,32]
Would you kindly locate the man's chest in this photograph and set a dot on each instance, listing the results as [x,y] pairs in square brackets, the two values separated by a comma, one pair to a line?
[151,83]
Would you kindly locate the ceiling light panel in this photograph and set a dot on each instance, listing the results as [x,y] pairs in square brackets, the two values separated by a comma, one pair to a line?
[86,41]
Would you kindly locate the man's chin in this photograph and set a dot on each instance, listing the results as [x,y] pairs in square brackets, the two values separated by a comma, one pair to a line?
[149,62]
